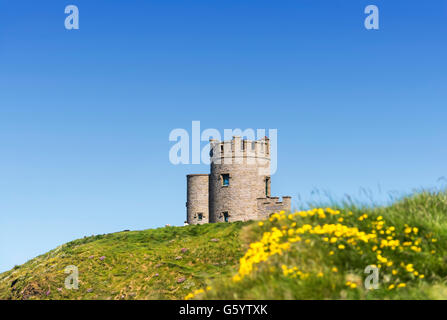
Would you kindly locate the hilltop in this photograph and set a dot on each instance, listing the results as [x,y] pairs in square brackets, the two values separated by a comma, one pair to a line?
[163,263]
[320,253]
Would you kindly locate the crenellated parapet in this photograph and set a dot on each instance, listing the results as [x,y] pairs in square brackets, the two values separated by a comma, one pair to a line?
[240,150]
[268,205]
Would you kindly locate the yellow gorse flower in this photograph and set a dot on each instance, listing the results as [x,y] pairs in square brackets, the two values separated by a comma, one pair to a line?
[375,238]
[196,292]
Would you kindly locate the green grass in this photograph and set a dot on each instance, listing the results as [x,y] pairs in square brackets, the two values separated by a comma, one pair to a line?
[148,264]
[137,265]
[427,211]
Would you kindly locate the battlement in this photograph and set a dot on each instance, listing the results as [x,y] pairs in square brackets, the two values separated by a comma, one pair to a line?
[269,205]
[237,149]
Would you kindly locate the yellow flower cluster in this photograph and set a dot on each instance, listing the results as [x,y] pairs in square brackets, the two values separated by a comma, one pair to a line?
[196,292]
[269,245]
[294,272]
[318,212]
[371,238]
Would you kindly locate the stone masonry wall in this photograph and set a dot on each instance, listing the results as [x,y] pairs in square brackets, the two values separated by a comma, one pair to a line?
[247,168]
[247,196]
[197,198]
[267,206]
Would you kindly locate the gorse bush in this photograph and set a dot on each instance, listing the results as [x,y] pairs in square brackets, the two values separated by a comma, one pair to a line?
[323,253]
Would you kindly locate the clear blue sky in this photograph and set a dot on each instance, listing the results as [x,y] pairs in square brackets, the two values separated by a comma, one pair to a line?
[85,114]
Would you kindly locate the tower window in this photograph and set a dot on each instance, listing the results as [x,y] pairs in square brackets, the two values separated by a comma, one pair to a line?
[225,180]
[200,216]
[253,145]
[226,216]
[267,186]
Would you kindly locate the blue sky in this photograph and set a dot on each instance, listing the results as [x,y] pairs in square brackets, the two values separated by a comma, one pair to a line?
[85,115]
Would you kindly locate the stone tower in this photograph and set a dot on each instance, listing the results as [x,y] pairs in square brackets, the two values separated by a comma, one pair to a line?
[240,173]
[238,186]
[197,194]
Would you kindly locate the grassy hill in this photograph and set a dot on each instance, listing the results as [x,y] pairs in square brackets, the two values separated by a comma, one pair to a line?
[320,253]
[164,263]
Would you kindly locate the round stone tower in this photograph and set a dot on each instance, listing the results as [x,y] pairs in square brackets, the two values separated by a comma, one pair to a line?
[240,175]
[197,198]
